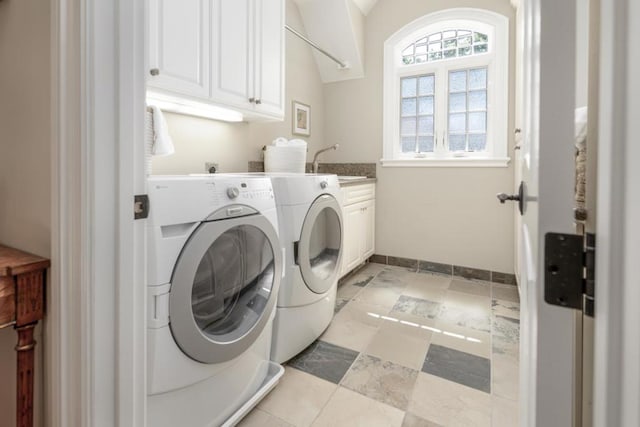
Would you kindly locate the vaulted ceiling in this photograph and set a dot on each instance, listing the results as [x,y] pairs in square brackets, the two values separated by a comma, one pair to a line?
[338,27]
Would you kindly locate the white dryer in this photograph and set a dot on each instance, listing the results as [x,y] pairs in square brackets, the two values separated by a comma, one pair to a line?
[310,221]
[214,271]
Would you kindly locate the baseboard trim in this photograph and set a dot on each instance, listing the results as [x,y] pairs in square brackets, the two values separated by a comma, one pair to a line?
[422,266]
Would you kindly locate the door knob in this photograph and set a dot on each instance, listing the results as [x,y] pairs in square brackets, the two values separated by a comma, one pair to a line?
[503,197]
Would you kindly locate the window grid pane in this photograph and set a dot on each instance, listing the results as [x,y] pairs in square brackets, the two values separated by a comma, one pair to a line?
[446,44]
[467,109]
[417,113]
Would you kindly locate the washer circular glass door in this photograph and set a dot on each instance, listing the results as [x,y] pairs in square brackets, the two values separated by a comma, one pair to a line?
[320,244]
[224,287]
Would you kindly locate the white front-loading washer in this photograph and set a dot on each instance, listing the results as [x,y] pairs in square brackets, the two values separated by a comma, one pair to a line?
[214,271]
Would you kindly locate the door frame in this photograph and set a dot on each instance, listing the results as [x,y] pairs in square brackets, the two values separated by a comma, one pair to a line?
[95,328]
[617,340]
[549,347]
[188,334]
[322,202]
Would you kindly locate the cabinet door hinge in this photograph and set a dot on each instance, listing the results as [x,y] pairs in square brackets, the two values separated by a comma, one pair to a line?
[569,279]
[140,206]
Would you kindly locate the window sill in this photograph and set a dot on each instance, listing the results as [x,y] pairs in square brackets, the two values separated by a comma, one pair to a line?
[447,162]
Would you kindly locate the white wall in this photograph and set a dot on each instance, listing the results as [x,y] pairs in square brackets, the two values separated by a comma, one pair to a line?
[447,215]
[582,52]
[25,214]
[232,145]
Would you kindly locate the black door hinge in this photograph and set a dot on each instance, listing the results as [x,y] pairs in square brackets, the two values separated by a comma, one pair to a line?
[569,279]
[140,206]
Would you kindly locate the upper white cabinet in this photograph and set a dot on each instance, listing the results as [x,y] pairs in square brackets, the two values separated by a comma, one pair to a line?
[224,52]
[269,78]
[179,46]
[248,71]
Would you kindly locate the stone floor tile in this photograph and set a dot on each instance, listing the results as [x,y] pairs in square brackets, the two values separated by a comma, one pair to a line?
[325,360]
[505,292]
[259,418]
[504,412]
[417,307]
[481,289]
[401,339]
[347,408]
[460,338]
[470,311]
[457,366]
[381,380]
[354,326]
[449,404]
[505,308]
[298,398]
[411,420]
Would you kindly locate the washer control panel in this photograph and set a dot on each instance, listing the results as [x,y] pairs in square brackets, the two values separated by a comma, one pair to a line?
[254,190]
[233,192]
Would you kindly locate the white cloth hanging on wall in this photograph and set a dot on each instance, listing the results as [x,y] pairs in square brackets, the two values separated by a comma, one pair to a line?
[162,142]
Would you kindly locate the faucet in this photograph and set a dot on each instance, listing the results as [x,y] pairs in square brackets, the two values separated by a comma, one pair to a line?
[315,157]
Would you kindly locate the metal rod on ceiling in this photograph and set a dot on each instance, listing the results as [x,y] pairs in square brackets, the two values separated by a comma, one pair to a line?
[318,48]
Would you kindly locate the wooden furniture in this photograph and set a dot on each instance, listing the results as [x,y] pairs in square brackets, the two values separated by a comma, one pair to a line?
[22,298]
[358,217]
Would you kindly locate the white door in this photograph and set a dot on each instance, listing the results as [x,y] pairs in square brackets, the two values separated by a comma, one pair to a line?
[179,46]
[232,52]
[320,245]
[368,230]
[269,57]
[352,237]
[549,334]
[224,287]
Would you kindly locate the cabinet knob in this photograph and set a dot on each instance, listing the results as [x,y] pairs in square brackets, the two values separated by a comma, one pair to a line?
[154,72]
[258,101]
[252,100]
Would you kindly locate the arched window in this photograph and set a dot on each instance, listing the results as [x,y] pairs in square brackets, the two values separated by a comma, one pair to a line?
[445,90]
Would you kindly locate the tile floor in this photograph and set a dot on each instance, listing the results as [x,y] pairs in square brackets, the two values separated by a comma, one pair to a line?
[405,349]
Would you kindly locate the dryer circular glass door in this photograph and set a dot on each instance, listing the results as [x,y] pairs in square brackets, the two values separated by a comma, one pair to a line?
[320,244]
[224,287]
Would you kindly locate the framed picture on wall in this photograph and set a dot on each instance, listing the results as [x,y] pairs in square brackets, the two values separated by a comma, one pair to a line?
[301,119]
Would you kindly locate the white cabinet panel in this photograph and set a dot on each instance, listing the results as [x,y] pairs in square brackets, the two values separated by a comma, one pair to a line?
[232,59]
[369,229]
[228,53]
[269,76]
[358,213]
[179,46]
[352,225]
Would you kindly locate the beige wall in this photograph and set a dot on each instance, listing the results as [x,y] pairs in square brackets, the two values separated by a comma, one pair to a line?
[25,214]
[447,215]
[232,145]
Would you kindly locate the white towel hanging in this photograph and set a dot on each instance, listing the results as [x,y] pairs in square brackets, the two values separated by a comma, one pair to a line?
[162,143]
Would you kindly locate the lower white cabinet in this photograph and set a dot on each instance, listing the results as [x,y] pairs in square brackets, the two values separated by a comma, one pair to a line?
[358,214]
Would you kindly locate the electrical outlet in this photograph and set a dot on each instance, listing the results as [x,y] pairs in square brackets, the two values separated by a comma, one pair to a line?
[209,165]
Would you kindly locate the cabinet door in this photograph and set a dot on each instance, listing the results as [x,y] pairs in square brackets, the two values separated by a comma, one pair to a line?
[369,229]
[352,226]
[269,57]
[232,52]
[179,35]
